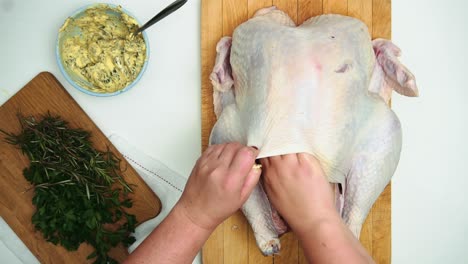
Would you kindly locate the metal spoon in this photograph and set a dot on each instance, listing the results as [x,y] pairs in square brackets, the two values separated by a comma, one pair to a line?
[164,13]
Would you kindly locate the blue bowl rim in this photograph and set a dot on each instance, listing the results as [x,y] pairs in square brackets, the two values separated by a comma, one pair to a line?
[86,91]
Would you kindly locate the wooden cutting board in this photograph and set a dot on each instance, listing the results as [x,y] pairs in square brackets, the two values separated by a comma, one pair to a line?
[44,93]
[233,241]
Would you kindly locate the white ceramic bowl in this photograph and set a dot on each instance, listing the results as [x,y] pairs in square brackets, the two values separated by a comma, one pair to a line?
[77,81]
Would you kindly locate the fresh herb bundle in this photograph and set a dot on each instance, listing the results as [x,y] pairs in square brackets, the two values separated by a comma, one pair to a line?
[79,192]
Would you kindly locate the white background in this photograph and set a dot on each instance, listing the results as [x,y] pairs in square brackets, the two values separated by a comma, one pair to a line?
[429,192]
[161,115]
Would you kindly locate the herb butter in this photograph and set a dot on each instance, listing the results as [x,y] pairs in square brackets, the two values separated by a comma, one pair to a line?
[104,53]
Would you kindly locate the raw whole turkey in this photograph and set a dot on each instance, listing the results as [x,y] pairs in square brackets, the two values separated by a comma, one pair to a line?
[323,88]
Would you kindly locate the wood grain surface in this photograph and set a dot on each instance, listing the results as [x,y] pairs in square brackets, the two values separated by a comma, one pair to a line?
[233,241]
[44,93]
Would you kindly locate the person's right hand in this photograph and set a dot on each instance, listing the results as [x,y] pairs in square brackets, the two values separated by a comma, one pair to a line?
[297,187]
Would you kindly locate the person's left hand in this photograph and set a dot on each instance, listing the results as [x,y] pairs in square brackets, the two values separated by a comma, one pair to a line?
[219,184]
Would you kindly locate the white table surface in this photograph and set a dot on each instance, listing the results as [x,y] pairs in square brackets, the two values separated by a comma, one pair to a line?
[161,115]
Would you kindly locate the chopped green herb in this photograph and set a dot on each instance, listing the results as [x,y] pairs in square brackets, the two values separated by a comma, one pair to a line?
[79,192]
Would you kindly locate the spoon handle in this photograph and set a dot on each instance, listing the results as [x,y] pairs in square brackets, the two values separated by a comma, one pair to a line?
[165,12]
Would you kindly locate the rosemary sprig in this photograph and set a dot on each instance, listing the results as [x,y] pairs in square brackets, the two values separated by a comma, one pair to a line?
[79,192]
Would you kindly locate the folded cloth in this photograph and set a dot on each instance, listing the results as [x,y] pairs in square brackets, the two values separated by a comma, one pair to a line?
[165,183]
[13,243]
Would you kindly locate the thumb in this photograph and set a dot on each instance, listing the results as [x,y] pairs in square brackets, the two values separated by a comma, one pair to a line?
[250,181]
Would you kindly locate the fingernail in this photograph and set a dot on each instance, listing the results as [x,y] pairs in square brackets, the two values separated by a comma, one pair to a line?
[254,150]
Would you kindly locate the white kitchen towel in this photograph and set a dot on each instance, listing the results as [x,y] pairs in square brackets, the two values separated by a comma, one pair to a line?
[14,244]
[165,183]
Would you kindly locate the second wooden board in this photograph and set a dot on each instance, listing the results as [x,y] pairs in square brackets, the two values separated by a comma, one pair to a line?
[41,95]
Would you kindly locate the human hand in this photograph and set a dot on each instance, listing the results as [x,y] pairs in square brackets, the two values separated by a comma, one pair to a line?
[297,187]
[221,181]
